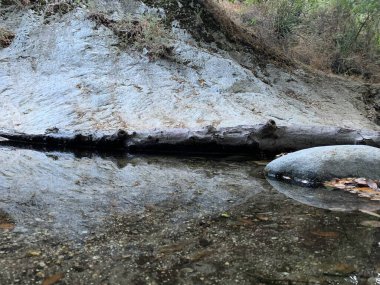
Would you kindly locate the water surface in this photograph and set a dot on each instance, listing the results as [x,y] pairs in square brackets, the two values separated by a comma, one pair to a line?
[164,220]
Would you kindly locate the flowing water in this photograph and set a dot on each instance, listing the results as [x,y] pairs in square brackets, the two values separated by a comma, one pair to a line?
[99,219]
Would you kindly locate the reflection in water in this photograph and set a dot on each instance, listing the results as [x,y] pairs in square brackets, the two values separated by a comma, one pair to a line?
[174,221]
[65,191]
[324,198]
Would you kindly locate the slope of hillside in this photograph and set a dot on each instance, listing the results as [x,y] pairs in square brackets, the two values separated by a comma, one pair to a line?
[69,72]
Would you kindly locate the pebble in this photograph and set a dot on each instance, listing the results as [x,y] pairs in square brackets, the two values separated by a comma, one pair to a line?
[34,253]
[40,274]
[41,264]
[187,270]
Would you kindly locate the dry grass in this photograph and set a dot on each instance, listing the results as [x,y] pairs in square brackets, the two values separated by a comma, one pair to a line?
[146,34]
[6,37]
[313,41]
[46,7]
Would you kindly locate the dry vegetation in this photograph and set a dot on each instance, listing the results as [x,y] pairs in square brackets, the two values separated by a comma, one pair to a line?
[146,34]
[341,36]
[6,37]
[46,7]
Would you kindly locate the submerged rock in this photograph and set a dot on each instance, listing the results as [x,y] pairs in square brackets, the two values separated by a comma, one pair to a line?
[324,163]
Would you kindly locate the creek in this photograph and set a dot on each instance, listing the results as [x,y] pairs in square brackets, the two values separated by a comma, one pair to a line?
[135,219]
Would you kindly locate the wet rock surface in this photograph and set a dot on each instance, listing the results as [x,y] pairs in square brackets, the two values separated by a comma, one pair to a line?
[155,220]
[324,163]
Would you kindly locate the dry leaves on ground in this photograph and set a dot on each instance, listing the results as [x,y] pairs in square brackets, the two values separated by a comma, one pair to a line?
[363,187]
[53,279]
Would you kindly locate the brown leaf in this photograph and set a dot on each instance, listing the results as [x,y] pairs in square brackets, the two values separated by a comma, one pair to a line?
[344,268]
[53,279]
[202,82]
[244,222]
[7,226]
[364,188]
[174,247]
[200,255]
[262,217]
[325,234]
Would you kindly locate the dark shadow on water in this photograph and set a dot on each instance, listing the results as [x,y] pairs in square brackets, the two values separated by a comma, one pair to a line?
[220,152]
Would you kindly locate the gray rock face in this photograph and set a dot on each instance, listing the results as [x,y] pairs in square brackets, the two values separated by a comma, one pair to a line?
[68,73]
[324,163]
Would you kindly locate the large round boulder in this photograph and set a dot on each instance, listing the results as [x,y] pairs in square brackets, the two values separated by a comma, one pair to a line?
[320,164]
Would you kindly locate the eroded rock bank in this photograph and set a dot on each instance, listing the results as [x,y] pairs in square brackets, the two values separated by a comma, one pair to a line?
[262,140]
[69,72]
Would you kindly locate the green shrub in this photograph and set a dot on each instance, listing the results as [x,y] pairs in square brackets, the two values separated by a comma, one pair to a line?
[340,35]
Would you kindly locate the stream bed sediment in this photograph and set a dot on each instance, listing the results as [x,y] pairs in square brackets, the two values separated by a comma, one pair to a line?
[101,219]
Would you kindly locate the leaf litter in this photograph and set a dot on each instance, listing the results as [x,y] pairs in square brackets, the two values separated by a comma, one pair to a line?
[363,187]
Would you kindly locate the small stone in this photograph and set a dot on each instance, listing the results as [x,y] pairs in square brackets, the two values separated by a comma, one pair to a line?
[40,274]
[187,270]
[204,242]
[372,281]
[41,264]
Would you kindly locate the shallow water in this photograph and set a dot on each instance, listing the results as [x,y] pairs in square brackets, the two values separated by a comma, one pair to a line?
[166,220]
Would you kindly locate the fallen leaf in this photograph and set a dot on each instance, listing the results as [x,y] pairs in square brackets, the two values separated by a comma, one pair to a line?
[363,187]
[7,226]
[325,234]
[343,268]
[200,255]
[174,247]
[371,224]
[33,253]
[262,217]
[53,279]
[244,222]
[361,181]
[225,215]
[261,162]
[372,184]
[370,213]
